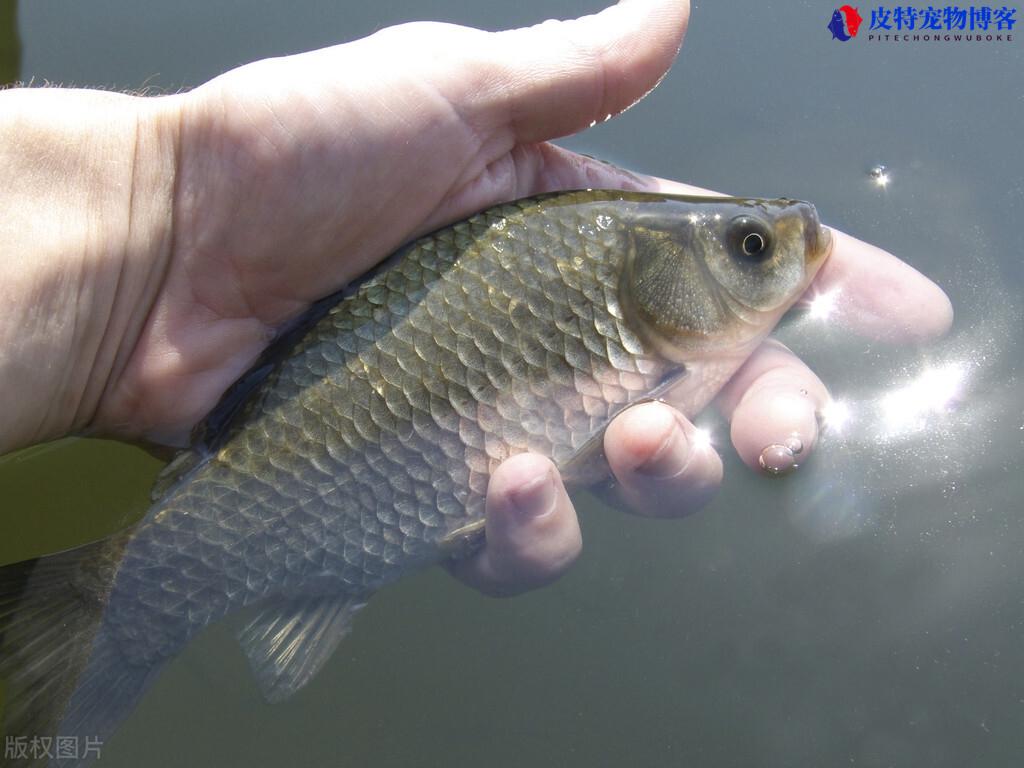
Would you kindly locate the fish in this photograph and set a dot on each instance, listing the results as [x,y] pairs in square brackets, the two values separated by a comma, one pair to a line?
[853,18]
[837,27]
[358,448]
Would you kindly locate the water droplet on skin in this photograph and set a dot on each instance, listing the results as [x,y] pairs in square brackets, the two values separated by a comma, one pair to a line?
[777,460]
[603,220]
[803,392]
[795,444]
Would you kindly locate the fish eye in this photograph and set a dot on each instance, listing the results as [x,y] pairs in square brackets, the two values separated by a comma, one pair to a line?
[753,244]
[749,238]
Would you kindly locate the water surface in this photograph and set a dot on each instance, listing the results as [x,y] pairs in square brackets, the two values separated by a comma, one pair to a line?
[867,611]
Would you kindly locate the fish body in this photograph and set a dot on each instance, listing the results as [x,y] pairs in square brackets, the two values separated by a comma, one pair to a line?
[360,446]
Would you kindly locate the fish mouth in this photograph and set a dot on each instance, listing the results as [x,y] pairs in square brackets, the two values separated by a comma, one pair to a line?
[817,238]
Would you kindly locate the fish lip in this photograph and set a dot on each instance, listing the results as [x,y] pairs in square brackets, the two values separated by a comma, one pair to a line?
[817,237]
[824,243]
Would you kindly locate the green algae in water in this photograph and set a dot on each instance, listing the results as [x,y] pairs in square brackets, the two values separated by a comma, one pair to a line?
[63,494]
[10,43]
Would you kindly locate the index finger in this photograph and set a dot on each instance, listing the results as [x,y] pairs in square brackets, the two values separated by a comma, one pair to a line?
[876,295]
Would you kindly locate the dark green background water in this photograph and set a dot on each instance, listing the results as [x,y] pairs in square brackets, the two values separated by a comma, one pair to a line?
[868,611]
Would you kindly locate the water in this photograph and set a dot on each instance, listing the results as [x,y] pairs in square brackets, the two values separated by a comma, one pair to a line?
[865,610]
[10,48]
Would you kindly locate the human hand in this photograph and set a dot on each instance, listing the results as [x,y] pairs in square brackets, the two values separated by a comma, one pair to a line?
[286,164]
[295,175]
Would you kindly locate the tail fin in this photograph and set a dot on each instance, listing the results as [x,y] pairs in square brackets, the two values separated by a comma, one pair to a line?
[50,610]
[108,689]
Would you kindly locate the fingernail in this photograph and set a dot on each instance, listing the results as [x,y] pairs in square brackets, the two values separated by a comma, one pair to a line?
[780,459]
[671,457]
[536,498]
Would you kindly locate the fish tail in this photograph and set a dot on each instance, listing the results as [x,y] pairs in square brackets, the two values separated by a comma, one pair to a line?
[50,611]
[107,691]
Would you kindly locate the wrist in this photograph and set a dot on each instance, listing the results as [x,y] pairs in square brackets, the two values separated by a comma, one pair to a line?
[86,188]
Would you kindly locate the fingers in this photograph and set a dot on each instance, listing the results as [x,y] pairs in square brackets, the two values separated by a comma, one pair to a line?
[664,466]
[558,77]
[878,296]
[532,531]
[664,469]
[772,402]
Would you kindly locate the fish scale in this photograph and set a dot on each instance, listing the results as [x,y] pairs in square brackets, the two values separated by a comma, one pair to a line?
[402,403]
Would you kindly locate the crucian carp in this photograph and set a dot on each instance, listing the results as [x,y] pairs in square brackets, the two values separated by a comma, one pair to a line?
[359,447]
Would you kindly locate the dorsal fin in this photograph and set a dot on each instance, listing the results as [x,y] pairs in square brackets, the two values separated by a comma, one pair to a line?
[291,640]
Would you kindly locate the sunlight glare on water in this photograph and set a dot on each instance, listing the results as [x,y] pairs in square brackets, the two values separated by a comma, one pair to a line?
[905,422]
[823,305]
[702,439]
[930,394]
[880,176]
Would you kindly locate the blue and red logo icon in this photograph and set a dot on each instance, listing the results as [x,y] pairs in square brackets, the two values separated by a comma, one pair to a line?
[845,23]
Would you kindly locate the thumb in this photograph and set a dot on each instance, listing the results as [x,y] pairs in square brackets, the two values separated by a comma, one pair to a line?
[558,77]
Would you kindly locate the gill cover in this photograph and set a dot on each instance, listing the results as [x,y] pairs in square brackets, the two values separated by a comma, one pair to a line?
[700,271]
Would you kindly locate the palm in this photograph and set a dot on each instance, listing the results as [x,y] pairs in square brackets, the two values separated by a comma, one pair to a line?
[292,183]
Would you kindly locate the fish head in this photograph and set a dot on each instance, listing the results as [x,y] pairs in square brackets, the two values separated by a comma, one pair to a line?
[712,276]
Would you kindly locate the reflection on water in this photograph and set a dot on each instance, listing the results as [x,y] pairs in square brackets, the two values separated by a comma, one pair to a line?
[918,419]
[701,439]
[922,402]
[926,402]
[879,174]
[823,305]
[65,493]
[835,415]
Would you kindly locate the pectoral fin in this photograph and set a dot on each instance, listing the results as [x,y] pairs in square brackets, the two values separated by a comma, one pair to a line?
[588,465]
[289,642]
